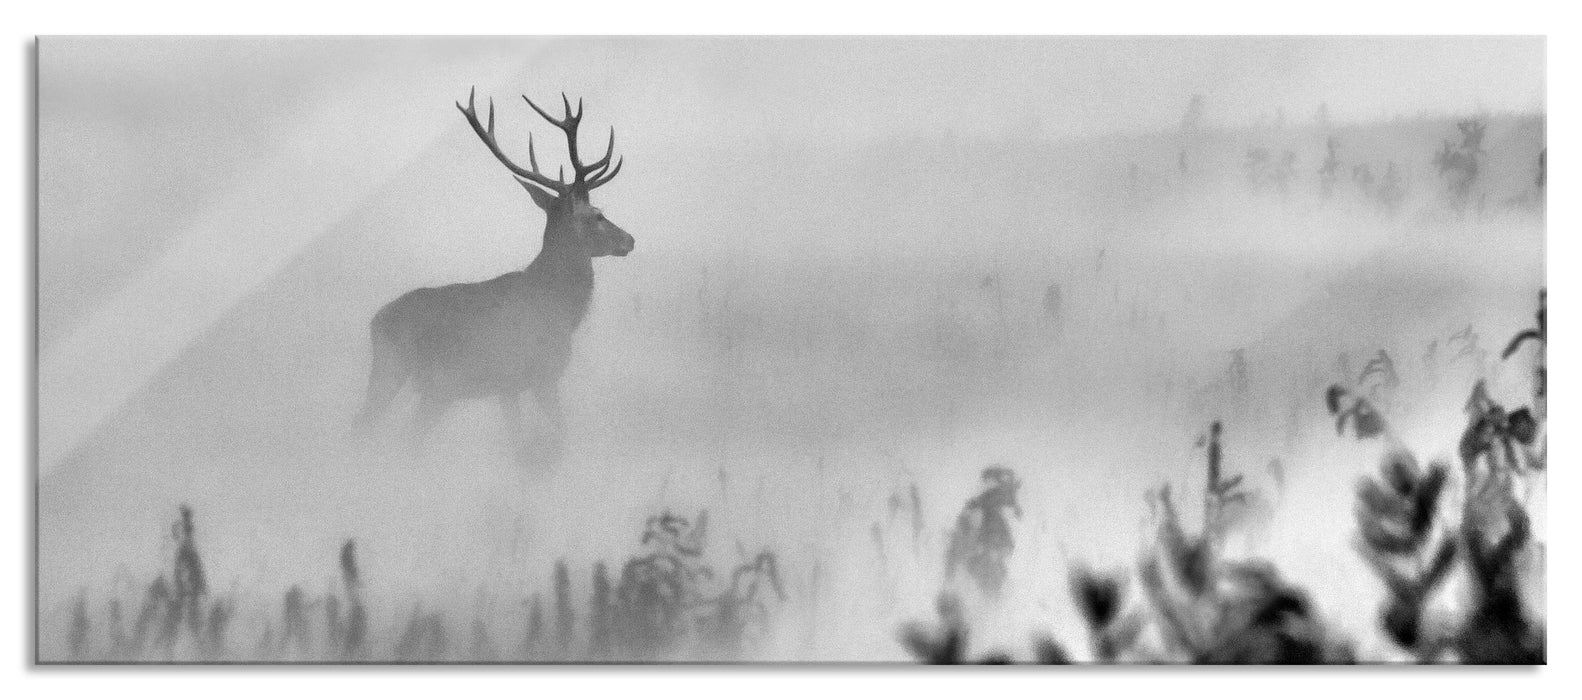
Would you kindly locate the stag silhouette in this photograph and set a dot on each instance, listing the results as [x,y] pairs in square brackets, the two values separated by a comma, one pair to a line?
[511,334]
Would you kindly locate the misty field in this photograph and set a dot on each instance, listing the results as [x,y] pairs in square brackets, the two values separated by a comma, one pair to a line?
[957,398]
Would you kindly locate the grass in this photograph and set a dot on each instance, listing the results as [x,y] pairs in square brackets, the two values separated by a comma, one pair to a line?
[1183,601]
[663,607]
[1202,609]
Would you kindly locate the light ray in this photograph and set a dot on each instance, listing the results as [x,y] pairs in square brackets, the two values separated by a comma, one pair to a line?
[321,173]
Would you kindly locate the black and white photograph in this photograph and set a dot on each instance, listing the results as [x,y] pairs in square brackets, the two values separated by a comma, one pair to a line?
[790,350]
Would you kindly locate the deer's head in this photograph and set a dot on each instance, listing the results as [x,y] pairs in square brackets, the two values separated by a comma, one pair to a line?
[574,222]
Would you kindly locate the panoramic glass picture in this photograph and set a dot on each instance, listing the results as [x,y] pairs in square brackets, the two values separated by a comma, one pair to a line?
[946,350]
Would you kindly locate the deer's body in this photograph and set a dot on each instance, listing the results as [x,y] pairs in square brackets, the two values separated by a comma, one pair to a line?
[504,335]
[508,335]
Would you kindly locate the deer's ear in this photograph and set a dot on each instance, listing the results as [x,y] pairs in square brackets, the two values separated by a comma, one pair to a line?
[544,200]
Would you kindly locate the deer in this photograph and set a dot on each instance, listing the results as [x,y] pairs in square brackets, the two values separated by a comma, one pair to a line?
[509,335]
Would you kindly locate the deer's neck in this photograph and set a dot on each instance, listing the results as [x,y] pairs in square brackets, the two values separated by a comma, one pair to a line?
[562,275]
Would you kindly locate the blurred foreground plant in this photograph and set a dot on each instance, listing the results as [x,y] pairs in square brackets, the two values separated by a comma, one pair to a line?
[945,643]
[1404,536]
[1210,611]
[981,542]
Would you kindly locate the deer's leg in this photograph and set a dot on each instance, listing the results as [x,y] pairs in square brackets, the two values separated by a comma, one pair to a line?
[385,379]
[552,440]
[515,424]
[380,394]
[429,411]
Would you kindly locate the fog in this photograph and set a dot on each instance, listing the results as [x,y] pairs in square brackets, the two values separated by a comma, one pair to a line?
[838,292]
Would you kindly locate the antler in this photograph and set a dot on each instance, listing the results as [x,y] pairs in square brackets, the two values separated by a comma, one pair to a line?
[585,177]
[486,134]
[600,169]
